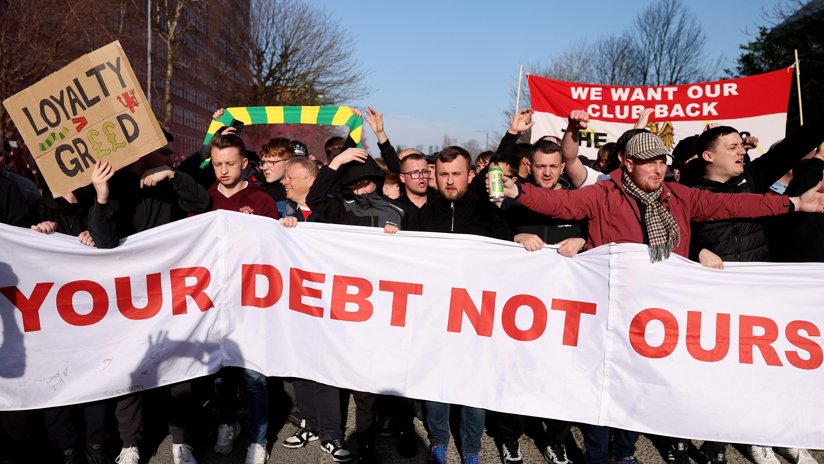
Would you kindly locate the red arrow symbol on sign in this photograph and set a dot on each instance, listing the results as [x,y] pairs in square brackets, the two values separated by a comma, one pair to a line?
[82,123]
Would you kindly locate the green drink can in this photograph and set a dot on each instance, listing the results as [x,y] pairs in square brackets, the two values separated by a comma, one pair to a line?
[496,185]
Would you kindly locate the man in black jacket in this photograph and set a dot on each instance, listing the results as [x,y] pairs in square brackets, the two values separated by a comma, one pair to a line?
[13,207]
[458,211]
[534,230]
[721,168]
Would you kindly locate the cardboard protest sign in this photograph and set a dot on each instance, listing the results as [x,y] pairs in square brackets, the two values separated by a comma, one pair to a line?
[755,105]
[92,109]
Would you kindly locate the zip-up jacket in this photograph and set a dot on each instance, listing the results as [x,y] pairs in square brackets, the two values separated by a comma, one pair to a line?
[468,215]
[799,237]
[551,230]
[292,210]
[614,216]
[745,240]
[71,218]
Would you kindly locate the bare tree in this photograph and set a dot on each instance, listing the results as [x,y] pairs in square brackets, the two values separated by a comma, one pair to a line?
[474,148]
[299,55]
[175,21]
[671,42]
[37,38]
[619,60]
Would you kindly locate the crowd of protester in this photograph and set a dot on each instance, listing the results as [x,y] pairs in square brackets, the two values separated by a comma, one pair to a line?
[710,203]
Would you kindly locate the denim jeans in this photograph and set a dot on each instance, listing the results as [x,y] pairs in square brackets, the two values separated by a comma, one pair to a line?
[472,426]
[226,392]
[596,441]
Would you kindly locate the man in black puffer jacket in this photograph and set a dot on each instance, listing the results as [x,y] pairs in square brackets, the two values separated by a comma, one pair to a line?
[720,167]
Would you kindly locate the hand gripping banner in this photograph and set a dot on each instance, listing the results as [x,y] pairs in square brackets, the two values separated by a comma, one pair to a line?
[671,348]
[329,115]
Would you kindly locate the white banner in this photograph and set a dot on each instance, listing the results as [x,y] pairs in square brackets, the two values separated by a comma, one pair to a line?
[604,338]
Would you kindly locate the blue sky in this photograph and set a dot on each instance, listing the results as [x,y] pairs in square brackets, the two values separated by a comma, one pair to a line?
[446,67]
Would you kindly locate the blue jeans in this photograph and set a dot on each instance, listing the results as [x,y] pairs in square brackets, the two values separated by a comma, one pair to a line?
[472,426]
[226,392]
[596,441]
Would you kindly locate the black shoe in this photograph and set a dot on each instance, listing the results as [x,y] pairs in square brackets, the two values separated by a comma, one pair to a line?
[95,455]
[387,427]
[70,456]
[556,454]
[678,452]
[407,444]
[336,449]
[511,453]
[715,456]
[366,454]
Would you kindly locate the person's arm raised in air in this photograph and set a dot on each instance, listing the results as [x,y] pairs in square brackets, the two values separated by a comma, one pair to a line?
[711,206]
[574,169]
[770,166]
[102,225]
[517,126]
[388,153]
[329,208]
[809,176]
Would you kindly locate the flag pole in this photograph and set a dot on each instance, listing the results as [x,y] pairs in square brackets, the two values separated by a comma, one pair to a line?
[798,81]
[518,100]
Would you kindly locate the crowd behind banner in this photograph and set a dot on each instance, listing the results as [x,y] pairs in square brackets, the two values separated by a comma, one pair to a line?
[706,201]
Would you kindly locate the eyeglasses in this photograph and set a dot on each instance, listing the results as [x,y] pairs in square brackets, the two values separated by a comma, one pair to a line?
[417,174]
[265,163]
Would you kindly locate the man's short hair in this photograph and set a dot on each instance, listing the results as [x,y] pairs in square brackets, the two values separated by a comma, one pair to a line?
[412,157]
[484,157]
[278,147]
[544,146]
[450,154]
[334,142]
[391,179]
[708,141]
[510,162]
[522,150]
[229,140]
[621,144]
[309,165]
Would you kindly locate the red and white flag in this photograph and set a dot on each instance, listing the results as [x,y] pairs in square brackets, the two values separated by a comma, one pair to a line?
[755,105]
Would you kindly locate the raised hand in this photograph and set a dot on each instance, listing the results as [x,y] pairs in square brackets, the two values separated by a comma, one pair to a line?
[218,114]
[520,122]
[154,176]
[643,118]
[811,201]
[352,154]
[578,120]
[750,143]
[103,171]
[375,121]
[711,125]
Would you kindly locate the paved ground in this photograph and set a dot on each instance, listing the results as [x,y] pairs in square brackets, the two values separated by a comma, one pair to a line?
[386,446]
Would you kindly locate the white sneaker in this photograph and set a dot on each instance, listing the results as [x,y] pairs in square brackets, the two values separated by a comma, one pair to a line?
[256,454]
[128,455]
[183,454]
[796,455]
[763,455]
[226,435]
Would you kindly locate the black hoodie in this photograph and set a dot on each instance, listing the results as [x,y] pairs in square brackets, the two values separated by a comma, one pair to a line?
[71,218]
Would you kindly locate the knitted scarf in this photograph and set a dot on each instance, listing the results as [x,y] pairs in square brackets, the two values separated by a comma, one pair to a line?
[664,234]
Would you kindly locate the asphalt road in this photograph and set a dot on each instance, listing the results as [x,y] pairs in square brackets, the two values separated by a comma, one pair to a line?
[647,452]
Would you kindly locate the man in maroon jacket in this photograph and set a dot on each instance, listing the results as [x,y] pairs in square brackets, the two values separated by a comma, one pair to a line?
[637,206]
[231,191]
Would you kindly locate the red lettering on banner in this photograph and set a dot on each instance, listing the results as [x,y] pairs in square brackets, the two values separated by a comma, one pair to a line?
[572,321]
[297,291]
[180,291]
[461,303]
[747,341]
[248,287]
[29,307]
[65,306]
[154,296]
[638,330]
[539,318]
[722,337]
[400,298]
[816,356]
[341,296]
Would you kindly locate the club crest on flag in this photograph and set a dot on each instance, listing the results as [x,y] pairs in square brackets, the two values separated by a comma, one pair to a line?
[666,132]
